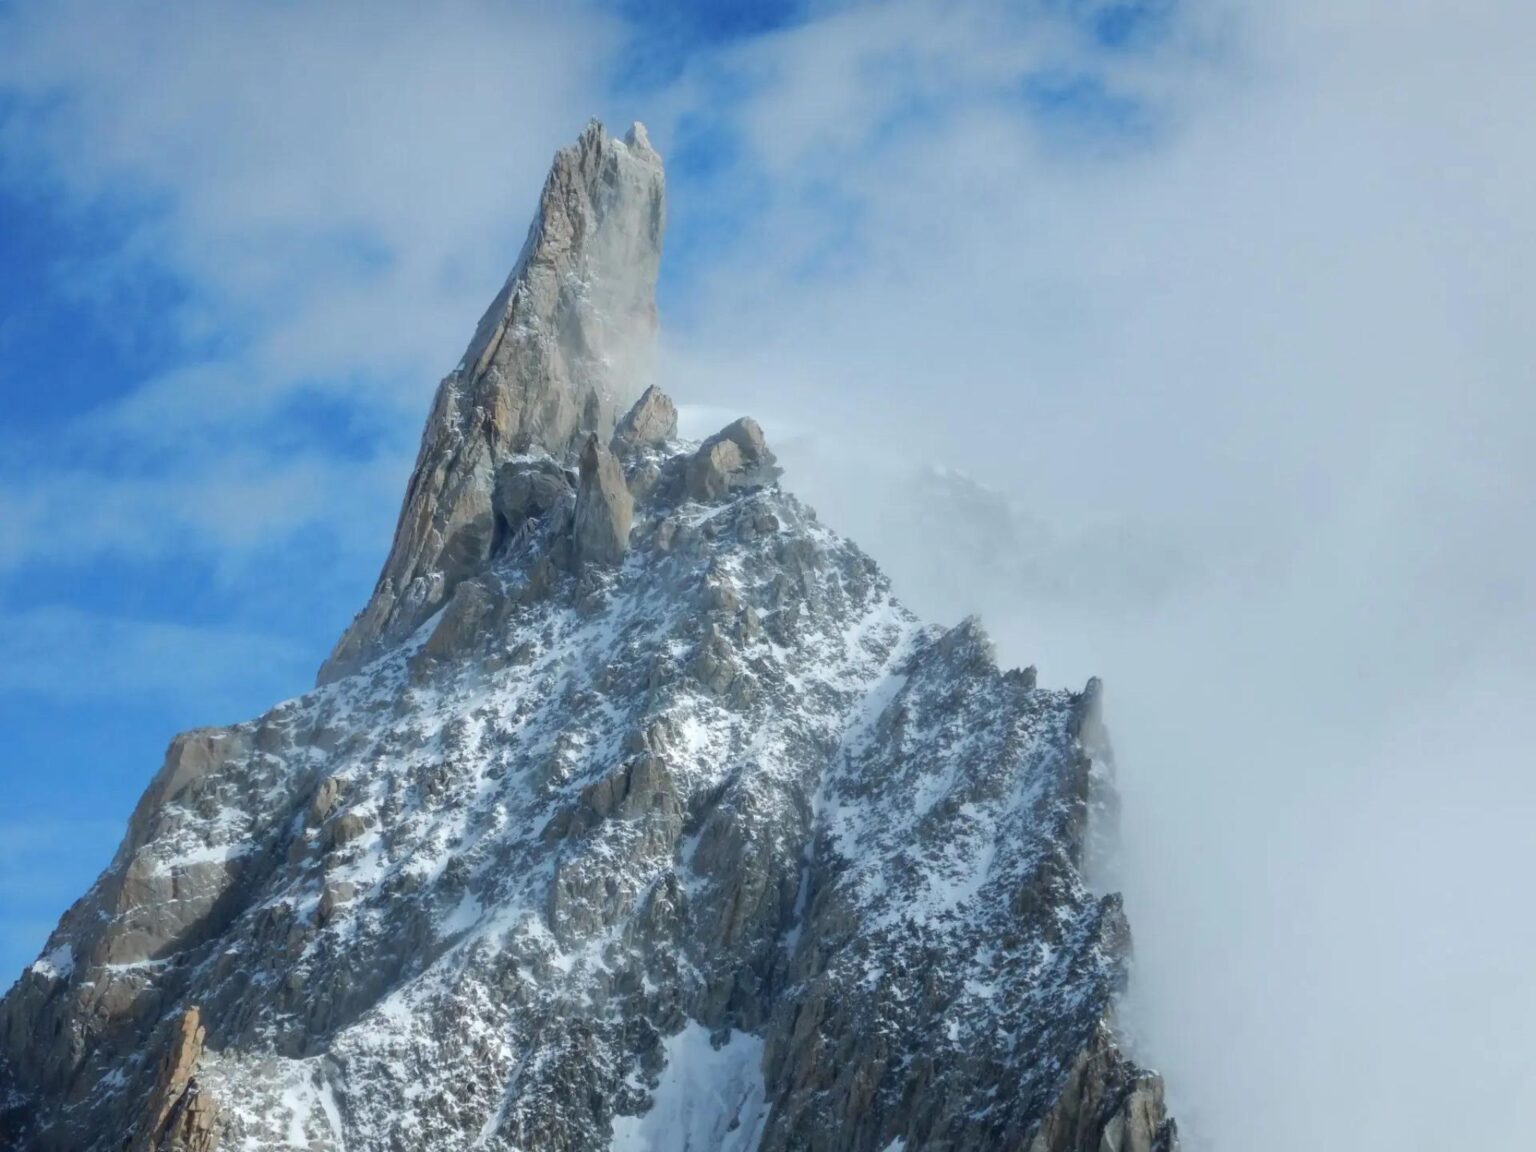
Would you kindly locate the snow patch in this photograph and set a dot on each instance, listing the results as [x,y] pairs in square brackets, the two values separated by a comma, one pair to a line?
[56,965]
[708,1099]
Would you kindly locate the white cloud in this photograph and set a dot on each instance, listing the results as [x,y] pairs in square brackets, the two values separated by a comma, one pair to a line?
[338,189]
[343,181]
[223,506]
[1254,379]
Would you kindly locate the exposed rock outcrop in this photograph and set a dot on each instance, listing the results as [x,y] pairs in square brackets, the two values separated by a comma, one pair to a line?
[531,490]
[461,626]
[1107,1105]
[563,345]
[650,423]
[180,1115]
[604,508]
[735,457]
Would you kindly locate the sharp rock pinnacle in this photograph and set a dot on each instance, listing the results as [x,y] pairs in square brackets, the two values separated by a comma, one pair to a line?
[565,346]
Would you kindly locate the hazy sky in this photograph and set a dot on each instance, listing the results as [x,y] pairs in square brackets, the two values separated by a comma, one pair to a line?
[1217,313]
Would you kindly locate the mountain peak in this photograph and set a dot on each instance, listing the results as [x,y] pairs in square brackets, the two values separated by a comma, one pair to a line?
[672,829]
[564,346]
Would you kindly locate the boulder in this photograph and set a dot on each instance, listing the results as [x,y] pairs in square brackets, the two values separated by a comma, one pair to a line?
[643,479]
[323,802]
[650,423]
[735,457]
[604,508]
[345,829]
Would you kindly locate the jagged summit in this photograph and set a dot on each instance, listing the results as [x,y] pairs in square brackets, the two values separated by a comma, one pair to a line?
[564,346]
[647,820]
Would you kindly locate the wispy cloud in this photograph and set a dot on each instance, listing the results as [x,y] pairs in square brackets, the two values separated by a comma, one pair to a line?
[336,182]
[1269,328]
[334,189]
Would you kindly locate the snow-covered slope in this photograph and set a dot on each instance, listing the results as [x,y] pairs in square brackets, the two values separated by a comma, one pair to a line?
[669,828]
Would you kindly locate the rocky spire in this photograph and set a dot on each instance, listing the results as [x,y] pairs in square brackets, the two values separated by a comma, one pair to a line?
[565,345]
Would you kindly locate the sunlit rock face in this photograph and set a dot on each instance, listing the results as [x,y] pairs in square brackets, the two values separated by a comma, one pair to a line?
[633,813]
[558,355]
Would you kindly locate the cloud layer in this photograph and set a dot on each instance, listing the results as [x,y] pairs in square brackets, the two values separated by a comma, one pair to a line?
[1242,377]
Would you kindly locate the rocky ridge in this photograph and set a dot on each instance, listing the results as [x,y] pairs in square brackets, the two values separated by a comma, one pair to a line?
[634,812]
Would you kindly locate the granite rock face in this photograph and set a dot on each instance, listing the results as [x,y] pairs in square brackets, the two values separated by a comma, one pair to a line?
[650,423]
[556,356]
[666,826]
[180,1116]
[735,457]
[604,508]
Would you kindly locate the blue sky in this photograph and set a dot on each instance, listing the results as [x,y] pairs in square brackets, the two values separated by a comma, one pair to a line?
[1227,301]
